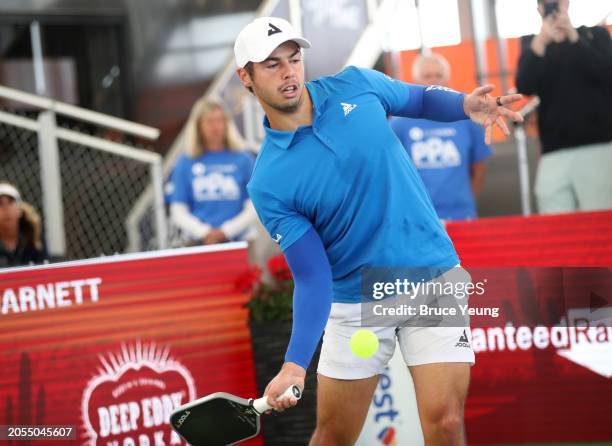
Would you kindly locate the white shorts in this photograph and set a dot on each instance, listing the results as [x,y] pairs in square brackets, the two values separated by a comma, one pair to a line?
[419,345]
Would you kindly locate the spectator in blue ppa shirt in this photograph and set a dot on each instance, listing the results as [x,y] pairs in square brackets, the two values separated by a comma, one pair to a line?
[208,197]
[449,156]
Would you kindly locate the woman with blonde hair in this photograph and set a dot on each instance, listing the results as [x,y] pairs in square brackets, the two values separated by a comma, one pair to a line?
[209,201]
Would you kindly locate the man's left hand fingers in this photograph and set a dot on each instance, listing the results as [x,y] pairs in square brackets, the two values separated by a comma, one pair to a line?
[510,98]
[285,403]
[484,90]
[502,125]
[511,114]
[488,133]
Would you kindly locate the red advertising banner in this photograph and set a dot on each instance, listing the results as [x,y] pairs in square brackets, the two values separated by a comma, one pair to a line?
[545,360]
[543,370]
[110,347]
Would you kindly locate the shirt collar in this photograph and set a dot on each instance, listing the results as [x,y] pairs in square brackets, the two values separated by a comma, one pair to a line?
[283,139]
[280,138]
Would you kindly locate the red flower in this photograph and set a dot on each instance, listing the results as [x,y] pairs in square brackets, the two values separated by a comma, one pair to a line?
[248,279]
[279,269]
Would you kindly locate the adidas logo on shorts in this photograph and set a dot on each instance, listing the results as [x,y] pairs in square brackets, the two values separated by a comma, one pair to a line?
[463,341]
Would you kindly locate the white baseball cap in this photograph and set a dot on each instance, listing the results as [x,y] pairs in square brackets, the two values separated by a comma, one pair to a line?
[10,191]
[263,35]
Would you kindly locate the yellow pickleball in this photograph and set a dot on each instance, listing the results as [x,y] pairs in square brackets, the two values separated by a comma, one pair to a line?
[364,343]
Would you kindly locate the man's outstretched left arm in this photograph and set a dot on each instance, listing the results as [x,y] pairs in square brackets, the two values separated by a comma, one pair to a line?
[438,103]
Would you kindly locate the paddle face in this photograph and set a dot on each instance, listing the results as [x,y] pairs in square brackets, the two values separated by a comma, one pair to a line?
[219,419]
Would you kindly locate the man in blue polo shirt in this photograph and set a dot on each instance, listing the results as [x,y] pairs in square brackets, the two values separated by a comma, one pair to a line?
[334,187]
[449,156]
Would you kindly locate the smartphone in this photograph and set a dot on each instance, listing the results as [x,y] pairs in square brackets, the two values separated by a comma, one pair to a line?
[550,8]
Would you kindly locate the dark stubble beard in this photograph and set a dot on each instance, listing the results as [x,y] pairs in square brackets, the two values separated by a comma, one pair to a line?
[288,108]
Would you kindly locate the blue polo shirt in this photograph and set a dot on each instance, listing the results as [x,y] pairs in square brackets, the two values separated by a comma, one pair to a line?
[443,153]
[348,176]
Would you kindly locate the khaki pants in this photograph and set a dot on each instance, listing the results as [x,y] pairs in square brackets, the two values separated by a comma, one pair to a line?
[575,179]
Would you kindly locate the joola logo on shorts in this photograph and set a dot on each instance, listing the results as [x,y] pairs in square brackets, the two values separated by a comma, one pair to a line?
[463,341]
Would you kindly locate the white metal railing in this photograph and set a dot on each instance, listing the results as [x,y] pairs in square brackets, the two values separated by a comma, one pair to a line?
[48,135]
[82,114]
[521,151]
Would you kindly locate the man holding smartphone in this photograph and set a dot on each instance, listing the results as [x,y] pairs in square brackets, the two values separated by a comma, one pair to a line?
[570,69]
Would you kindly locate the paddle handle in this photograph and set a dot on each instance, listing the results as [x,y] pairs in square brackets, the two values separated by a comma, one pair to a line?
[261,404]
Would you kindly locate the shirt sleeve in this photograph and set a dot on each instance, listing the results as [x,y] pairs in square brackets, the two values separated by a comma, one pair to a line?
[185,220]
[284,224]
[399,127]
[241,222]
[479,149]
[247,166]
[392,93]
[245,163]
[181,183]
[399,98]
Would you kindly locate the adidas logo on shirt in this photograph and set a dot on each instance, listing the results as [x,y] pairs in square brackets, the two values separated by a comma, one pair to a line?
[463,341]
[347,108]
